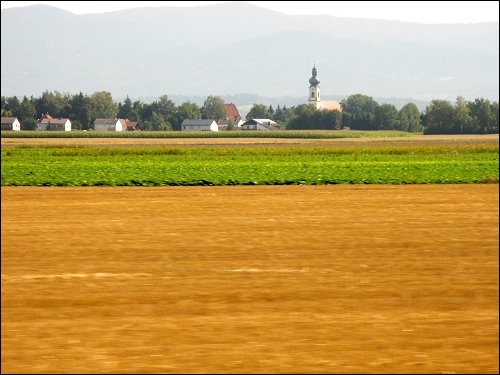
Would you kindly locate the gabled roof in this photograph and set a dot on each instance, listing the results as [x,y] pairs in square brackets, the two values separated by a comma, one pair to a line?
[203,122]
[129,123]
[330,105]
[264,121]
[232,111]
[267,123]
[53,121]
[8,120]
[108,121]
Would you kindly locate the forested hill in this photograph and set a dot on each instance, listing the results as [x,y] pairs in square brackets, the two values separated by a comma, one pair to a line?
[234,48]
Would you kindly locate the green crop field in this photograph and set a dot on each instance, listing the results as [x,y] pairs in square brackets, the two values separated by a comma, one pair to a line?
[77,166]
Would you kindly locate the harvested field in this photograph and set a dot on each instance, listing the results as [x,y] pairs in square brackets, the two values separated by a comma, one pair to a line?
[417,140]
[281,279]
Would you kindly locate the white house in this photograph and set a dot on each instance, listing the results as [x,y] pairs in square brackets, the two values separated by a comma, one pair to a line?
[47,122]
[11,123]
[260,124]
[110,124]
[205,125]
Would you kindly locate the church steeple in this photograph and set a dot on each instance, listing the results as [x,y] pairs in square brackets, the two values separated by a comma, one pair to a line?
[314,96]
[313,80]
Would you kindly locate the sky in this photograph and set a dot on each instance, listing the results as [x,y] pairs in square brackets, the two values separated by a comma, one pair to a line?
[409,11]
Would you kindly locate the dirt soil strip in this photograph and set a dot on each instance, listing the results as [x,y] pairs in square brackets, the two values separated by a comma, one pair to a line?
[418,140]
[282,279]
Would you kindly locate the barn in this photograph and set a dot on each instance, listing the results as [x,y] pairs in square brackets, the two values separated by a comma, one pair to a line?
[260,124]
[11,123]
[204,125]
[110,124]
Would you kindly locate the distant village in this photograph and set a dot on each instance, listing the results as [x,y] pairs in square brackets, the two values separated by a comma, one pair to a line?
[233,119]
[357,112]
[47,123]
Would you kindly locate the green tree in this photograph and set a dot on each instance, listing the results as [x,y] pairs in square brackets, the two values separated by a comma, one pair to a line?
[81,112]
[282,115]
[409,118]
[230,125]
[26,110]
[136,111]
[102,105]
[494,118]
[304,109]
[439,117]
[52,103]
[258,111]
[480,110]
[158,122]
[361,110]
[330,120]
[125,109]
[186,110]
[28,124]
[164,107]
[6,113]
[213,108]
[305,117]
[10,104]
[386,118]
[288,114]
[462,120]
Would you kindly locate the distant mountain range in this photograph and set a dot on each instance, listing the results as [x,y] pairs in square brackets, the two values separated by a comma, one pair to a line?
[235,48]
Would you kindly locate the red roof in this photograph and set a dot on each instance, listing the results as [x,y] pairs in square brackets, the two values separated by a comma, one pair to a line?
[330,105]
[8,120]
[131,124]
[232,112]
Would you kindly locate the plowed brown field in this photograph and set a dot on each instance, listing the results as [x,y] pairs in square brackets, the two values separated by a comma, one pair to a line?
[415,140]
[282,279]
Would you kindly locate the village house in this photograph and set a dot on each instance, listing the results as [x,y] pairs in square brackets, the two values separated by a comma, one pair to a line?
[47,122]
[233,115]
[11,123]
[131,125]
[110,124]
[260,124]
[204,125]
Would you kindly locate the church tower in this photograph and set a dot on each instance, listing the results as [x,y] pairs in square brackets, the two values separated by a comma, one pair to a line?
[314,96]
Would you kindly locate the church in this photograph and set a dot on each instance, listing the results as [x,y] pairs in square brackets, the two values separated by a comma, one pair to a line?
[315,98]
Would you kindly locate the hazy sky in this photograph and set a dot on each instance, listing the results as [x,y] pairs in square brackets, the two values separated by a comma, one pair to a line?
[412,11]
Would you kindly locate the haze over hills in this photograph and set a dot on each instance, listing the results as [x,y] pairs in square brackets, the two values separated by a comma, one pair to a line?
[233,48]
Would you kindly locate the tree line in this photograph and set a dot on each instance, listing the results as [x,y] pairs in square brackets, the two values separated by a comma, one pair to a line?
[359,112]
[83,110]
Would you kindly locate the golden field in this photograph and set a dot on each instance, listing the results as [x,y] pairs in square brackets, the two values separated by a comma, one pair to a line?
[250,279]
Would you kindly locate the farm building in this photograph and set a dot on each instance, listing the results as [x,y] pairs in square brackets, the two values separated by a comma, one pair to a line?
[233,115]
[110,124]
[11,123]
[47,122]
[131,125]
[205,125]
[260,124]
